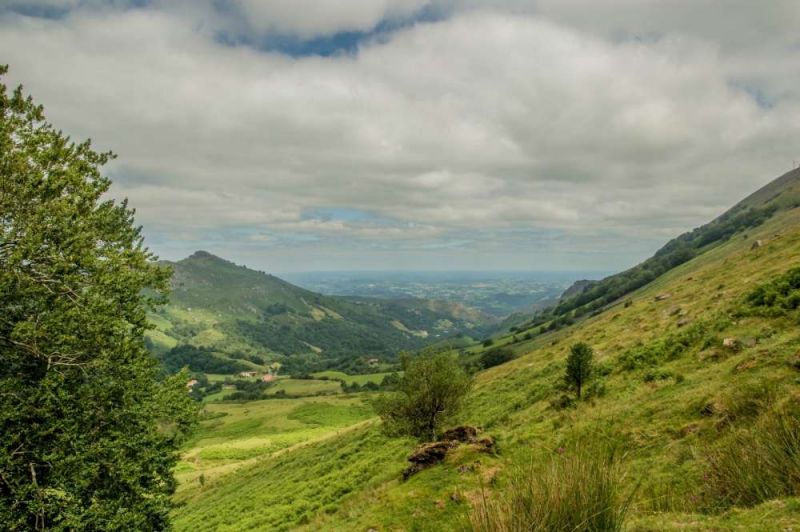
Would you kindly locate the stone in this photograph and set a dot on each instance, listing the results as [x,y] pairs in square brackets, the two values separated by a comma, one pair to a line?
[463,434]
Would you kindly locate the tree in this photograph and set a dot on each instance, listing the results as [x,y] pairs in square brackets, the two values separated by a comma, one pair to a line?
[496,356]
[89,430]
[579,366]
[429,393]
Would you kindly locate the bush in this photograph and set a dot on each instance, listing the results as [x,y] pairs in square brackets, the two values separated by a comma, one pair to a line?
[577,490]
[495,357]
[429,393]
[756,464]
[778,296]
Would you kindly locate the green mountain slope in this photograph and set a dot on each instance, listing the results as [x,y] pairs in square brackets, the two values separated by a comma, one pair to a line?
[251,317]
[586,297]
[689,373]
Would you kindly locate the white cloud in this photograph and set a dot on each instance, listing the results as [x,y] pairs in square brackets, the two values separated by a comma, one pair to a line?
[495,119]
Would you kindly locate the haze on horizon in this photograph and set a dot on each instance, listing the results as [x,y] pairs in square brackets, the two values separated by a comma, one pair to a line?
[293,135]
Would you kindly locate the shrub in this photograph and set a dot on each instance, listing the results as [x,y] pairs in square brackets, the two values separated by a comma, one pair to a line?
[756,464]
[778,296]
[429,393]
[495,357]
[578,490]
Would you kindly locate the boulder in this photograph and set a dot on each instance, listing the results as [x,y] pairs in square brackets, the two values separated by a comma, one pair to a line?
[426,455]
[757,244]
[729,342]
[662,297]
[484,445]
[463,434]
[674,310]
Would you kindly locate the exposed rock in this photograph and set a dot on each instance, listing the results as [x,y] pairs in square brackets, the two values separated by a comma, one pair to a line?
[674,311]
[463,434]
[731,343]
[757,244]
[746,364]
[749,342]
[691,428]
[662,297]
[427,455]
[577,288]
[484,445]
[466,468]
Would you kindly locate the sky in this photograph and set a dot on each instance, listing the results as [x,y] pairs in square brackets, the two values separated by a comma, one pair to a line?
[300,135]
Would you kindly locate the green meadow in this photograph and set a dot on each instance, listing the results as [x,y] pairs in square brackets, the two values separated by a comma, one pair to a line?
[668,396]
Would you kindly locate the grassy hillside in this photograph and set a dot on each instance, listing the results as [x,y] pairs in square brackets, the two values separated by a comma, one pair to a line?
[691,384]
[246,317]
[590,296]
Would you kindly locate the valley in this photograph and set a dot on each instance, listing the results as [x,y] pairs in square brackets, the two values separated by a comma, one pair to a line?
[684,372]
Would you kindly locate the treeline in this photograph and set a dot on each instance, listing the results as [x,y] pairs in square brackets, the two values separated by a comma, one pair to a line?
[682,249]
[199,359]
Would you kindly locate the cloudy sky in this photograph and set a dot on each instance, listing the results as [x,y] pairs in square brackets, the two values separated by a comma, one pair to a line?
[301,135]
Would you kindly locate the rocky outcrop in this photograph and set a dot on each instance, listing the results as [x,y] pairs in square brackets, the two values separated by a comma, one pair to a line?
[432,453]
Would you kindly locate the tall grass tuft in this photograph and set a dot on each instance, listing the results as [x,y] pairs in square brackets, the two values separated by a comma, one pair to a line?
[573,491]
[756,464]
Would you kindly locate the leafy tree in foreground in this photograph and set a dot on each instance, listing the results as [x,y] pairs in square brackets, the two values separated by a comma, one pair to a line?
[579,366]
[429,393]
[88,434]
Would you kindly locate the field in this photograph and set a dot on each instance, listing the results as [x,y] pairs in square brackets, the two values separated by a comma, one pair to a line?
[666,409]
[376,378]
[236,435]
[304,387]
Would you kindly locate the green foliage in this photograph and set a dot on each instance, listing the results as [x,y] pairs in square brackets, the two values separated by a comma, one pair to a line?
[574,490]
[89,432]
[199,359]
[429,393]
[495,357]
[668,347]
[598,294]
[777,297]
[756,463]
[233,309]
[579,366]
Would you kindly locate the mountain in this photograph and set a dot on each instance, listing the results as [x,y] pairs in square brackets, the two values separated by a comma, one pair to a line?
[250,317]
[780,195]
[694,395]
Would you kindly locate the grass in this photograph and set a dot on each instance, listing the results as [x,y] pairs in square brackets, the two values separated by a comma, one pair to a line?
[233,435]
[576,489]
[304,387]
[691,403]
[376,378]
[757,463]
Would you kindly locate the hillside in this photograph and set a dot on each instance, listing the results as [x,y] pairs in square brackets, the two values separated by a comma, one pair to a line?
[590,296]
[245,317]
[693,377]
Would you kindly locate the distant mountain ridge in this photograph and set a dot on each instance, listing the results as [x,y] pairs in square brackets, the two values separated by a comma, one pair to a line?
[243,314]
[587,297]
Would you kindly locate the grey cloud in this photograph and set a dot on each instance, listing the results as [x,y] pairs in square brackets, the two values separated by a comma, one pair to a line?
[498,118]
